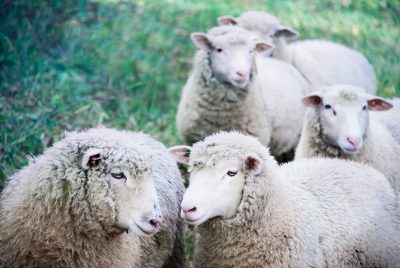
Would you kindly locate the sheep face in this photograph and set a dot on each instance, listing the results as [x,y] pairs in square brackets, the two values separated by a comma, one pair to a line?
[130,188]
[343,115]
[261,25]
[230,55]
[215,190]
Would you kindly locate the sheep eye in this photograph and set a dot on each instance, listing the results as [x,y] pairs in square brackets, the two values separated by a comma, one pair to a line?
[365,107]
[231,173]
[327,106]
[119,175]
[219,50]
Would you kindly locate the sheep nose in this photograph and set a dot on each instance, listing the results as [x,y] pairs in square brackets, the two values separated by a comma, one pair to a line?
[189,210]
[155,222]
[241,74]
[353,141]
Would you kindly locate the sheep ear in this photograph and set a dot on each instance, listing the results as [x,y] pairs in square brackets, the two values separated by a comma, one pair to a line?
[313,99]
[378,104]
[227,20]
[201,41]
[180,153]
[263,46]
[253,164]
[287,32]
[91,158]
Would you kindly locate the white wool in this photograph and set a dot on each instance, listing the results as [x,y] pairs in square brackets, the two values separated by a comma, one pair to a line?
[307,213]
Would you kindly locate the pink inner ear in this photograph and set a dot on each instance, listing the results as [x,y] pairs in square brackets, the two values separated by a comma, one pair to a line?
[253,164]
[180,153]
[312,100]
[379,105]
[94,159]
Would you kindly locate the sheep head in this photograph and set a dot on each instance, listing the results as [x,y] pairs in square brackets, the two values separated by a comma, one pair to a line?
[261,25]
[113,190]
[220,168]
[230,51]
[343,114]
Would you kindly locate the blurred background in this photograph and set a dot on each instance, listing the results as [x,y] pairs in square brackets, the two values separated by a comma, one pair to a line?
[67,65]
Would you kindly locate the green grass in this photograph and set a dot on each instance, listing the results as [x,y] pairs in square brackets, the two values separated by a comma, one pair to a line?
[123,64]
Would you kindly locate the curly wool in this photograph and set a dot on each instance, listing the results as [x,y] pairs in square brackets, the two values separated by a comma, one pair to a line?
[289,215]
[68,219]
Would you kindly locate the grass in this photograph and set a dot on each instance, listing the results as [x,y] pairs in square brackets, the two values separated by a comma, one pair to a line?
[80,64]
[68,65]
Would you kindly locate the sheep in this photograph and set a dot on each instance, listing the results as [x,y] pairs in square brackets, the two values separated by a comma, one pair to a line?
[321,62]
[338,124]
[252,212]
[97,198]
[229,88]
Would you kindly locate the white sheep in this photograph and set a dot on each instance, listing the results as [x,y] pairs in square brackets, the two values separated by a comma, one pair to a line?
[229,88]
[342,122]
[251,212]
[97,198]
[321,62]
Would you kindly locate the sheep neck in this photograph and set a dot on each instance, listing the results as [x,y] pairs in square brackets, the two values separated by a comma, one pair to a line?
[283,51]
[221,95]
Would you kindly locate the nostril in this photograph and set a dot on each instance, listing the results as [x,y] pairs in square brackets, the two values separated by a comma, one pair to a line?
[240,74]
[352,141]
[155,223]
[193,209]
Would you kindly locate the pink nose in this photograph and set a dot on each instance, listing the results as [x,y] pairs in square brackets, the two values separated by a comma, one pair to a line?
[189,210]
[241,74]
[353,141]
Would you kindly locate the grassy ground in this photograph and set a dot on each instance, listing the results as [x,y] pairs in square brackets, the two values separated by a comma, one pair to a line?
[123,64]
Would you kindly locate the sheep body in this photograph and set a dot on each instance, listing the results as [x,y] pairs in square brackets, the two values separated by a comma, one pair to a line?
[306,213]
[53,215]
[321,62]
[339,64]
[381,142]
[268,109]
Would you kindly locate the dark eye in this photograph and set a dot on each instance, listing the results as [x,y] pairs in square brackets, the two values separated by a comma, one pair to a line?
[365,107]
[219,50]
[119,175]
[231,173]
[327,106]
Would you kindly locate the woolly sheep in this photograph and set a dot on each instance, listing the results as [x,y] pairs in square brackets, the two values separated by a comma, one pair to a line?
[251,212]
[322,63]
[229,88]
[338,124]
[90,200]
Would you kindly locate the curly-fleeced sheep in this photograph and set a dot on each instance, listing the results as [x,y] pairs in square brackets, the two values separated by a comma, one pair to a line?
[252,212]
[229,88]
[339,124]
[321,62]
[90,200]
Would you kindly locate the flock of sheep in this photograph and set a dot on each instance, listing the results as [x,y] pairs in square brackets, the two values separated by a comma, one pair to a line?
[254,100]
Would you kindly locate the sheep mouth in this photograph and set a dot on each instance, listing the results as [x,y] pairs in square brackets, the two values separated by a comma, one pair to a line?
[147,231]
[195,221]
[350,150]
